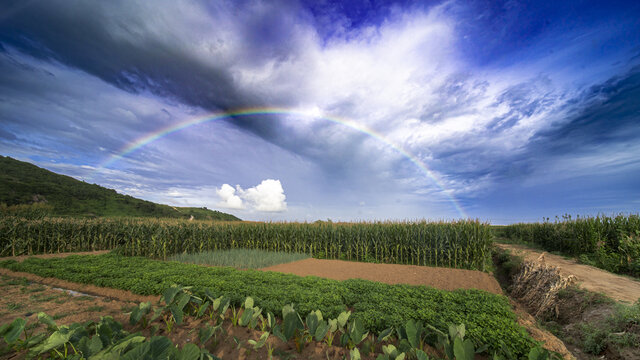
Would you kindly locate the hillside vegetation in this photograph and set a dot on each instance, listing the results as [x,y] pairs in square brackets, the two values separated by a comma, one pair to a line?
[22,184]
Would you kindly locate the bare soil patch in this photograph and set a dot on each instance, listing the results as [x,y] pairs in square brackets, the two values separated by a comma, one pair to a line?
[110,293]
[439,278]
[617,287]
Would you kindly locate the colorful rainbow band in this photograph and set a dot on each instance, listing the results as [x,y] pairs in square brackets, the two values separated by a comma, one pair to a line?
[149,138]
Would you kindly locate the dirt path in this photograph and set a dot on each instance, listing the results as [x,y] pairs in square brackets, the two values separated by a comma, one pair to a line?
[440,278]
[56,255]
[590,278]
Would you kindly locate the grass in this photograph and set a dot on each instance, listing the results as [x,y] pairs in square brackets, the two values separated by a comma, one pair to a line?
[240,258]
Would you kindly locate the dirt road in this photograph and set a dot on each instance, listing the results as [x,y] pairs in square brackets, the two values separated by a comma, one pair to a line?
[617,287]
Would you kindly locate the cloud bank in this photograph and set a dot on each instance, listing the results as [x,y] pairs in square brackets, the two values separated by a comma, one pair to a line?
[268,196]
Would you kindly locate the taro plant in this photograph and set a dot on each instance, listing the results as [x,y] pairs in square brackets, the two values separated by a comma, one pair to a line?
[390,352]
[455,346]
[250,314]
[292,327]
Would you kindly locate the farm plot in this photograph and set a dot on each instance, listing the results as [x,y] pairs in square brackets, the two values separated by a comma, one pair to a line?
[489,318]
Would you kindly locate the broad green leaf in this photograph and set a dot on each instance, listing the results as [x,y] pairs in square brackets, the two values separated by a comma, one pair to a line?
[321,330]
[181,300]
[205,333]
[389,350]
[189,352]
[248,303]
[385,334]
[216,303]
[278,333]
[170,293]
[47,320]
[291,323]
[271,320]
[203,308]
[333,325]
[421,355]
[456,331]
[312,322]
[160,347]
[287,309]
[261,342]
[413,331]
[356,331]
[354,354]
[343,318]
[177,313]
[140,311]
[13,331]
[140,352]
[58,338]
[246,317]
[463,350]
[122,345]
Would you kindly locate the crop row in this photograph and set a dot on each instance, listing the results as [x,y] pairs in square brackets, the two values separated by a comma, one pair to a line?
[461,244]
[489,318]
[612,243]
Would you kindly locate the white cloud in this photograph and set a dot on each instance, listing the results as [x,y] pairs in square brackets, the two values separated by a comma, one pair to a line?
[268,196]
[229,198]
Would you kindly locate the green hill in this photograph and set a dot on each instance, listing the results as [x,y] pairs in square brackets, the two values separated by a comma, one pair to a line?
[24,183]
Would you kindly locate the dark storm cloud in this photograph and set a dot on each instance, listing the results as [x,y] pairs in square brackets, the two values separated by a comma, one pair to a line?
[608,113]
[81,34]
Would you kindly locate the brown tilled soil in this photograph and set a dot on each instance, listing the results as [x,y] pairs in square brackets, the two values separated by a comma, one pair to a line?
[56,255]
[589,278]
[440,278]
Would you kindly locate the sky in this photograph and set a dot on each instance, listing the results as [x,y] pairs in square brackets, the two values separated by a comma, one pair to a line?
[503,111]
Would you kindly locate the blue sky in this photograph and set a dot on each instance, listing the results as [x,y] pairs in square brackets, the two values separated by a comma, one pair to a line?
[504,111]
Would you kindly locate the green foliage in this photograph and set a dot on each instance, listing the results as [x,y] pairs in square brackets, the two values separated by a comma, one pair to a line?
[239,258]
[462,244]
[610,243]
[102,340]
[488,317]
[22,183]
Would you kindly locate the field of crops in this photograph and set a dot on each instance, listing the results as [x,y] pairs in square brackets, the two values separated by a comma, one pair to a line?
[611,243]
[488,317]
[461,244]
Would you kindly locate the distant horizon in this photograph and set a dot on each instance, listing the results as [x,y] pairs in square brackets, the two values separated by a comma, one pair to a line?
[507,111]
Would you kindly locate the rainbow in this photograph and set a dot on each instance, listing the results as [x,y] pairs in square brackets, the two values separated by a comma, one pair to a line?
[149,138]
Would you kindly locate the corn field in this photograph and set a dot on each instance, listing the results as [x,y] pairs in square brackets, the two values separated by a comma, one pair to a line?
[576,236]
[609,242]
[461,244]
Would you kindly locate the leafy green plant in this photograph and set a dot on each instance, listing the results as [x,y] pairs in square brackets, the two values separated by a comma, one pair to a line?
[488,317]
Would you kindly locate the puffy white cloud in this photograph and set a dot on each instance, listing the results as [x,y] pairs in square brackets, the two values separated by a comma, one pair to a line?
[228,197]
[268,196]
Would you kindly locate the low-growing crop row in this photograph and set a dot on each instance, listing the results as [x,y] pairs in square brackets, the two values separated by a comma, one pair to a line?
[489,318]
[462,244]
[611,243]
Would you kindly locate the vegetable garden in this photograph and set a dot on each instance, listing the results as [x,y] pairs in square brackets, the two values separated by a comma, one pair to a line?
[376,306]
